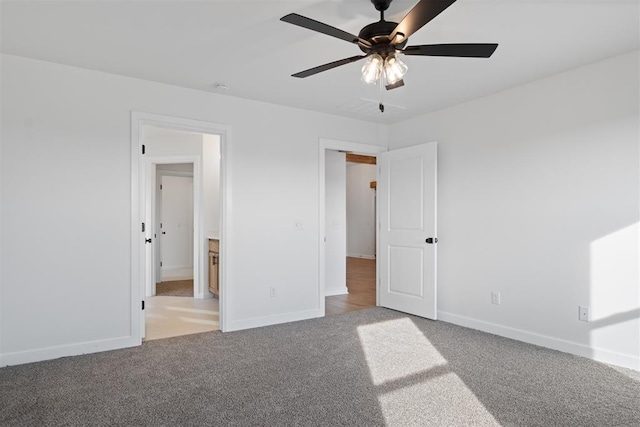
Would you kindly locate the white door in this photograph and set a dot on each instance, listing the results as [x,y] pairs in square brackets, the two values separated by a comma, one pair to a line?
[407,237]
[176,217]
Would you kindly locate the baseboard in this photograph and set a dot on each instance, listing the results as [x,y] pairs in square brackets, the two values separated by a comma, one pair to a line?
[30,356]
[257,322]
[600,355]
[361,256]
[336,291]
[205,295]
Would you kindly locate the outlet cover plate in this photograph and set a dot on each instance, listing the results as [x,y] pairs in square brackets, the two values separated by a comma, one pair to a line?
[583,313]
[495,298]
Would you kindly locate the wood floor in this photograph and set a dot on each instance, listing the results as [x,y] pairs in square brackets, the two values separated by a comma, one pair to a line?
[175,288]
[169,316]
[172,316]
[361,282]
[173,311]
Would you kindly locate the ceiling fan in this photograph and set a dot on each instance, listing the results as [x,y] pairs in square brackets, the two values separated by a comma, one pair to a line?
[382,41]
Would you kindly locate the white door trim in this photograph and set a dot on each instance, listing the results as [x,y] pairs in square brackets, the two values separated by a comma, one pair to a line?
[175,173]
[333,144]
[157,253]
[138,120]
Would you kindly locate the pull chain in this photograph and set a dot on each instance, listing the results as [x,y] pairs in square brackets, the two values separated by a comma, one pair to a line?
[380,85]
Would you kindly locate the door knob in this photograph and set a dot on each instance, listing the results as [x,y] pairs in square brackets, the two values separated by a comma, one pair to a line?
[432,240]
[164,232]
[147,240]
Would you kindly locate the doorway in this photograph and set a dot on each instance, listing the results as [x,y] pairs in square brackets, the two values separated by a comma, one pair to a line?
[406,226]
[348,226]
[350,249]
[173,227]
[183,210]
[185,157]
[171,307]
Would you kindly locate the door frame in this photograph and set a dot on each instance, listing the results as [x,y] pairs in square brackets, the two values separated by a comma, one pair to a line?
[334,144]
[138,265]
[157,253]
[151,164]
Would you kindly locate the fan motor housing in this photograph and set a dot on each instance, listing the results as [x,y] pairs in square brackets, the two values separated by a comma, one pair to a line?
[381,5]
[378,34]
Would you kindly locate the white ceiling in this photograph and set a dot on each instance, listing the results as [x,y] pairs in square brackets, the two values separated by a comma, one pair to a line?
[244,45]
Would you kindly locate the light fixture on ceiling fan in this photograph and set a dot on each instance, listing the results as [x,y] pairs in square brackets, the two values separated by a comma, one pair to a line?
[390,69]
[383,41]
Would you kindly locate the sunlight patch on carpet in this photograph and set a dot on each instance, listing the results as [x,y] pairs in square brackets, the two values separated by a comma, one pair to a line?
[444,400]
[412,377]
[405,351]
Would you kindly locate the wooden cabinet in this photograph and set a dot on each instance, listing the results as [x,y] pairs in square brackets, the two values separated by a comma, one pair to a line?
[214,267]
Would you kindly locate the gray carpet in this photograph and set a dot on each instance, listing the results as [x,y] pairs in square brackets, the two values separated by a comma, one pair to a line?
[372,367]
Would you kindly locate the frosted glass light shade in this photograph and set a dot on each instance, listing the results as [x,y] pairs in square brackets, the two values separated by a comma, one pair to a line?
[394,69]
[372,69]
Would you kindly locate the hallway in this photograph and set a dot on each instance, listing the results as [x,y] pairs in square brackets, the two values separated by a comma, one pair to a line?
[361,282]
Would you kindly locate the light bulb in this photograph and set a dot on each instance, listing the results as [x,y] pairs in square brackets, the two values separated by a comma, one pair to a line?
[372,69]
[394,69]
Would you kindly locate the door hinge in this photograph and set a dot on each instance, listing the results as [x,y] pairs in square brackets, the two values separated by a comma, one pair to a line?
[143,227]
[143,304]
[161,186]
[160,263]
[143,149]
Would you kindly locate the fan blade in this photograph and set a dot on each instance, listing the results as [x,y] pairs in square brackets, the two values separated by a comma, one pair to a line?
[311,24]
[464,50]
[395,85]
[417,17]
[325,67]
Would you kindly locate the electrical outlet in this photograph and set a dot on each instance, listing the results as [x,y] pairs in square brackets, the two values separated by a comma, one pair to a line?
[272,292]
[583,313]
[495,298]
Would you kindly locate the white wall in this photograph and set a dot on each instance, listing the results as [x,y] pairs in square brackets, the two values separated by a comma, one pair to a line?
[66,193]
[539,199]
[170,142]
[361,205]
[335,223]
[211,185]
[182,169]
